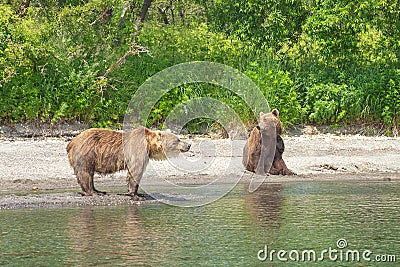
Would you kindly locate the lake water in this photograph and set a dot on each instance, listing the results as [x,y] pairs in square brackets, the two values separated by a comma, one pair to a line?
[338,221]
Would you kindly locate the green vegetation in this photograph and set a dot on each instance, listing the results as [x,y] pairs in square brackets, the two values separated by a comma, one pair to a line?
[322,62]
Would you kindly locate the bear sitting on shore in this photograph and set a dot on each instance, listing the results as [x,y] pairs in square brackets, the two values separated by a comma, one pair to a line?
[259,148]
[106,151]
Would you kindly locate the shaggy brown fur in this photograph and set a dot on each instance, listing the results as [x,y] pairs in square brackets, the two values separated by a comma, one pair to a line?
[279,166]
[106,151]
[252,150]
[265,145]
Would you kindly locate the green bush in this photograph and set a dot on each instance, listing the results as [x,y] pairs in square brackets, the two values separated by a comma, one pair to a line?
[278,89]
[332,62]
[332,103]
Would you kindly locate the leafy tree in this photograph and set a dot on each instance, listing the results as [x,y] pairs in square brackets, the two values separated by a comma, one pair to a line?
[265,24]
[319,61]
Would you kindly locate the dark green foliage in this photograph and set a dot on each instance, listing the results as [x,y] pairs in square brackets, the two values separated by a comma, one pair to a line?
[319,62]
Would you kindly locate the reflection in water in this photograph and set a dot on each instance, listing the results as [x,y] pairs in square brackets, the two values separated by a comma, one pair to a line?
[100,235]
[265,204]
[81,231]
[132,234]
[228,232]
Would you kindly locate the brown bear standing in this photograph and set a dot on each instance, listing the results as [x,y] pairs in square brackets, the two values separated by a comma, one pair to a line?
[263,151]
[106,151]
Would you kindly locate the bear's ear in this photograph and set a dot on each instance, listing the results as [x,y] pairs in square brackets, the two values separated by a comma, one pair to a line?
[275,112]
[149,134]
[262,113]
[153,137]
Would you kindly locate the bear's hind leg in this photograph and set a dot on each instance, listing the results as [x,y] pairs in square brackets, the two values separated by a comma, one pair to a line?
[85,180]
[95,191]
[280,165]
[274,171]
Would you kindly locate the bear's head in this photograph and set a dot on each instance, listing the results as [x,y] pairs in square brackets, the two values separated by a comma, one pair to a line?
[163,144]
[269,121]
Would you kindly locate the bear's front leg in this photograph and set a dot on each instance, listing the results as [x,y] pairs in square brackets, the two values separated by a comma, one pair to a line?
[268,144]
[133,187]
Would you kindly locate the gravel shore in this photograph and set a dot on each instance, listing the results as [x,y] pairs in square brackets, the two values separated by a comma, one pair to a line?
[36,173]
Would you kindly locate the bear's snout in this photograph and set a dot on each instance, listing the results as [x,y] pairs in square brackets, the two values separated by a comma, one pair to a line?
[185,146]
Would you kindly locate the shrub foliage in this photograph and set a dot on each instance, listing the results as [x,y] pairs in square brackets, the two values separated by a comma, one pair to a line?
[316,61]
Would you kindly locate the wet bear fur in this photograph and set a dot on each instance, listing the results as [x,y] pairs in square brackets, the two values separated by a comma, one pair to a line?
[106,151]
